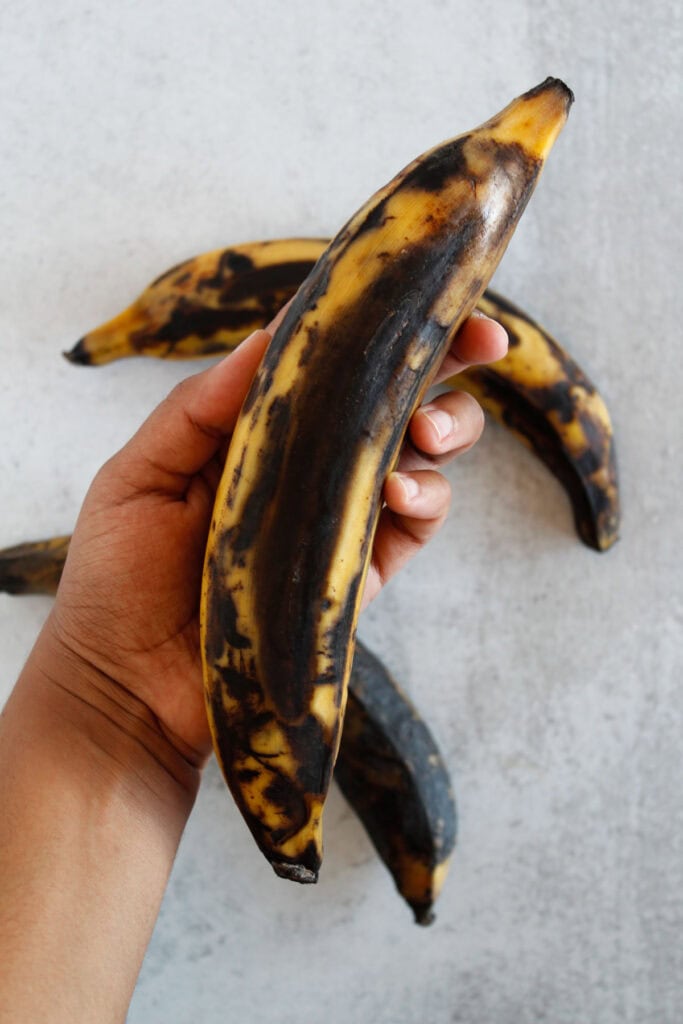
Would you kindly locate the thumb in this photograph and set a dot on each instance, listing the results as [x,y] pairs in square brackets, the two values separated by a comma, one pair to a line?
[189,426]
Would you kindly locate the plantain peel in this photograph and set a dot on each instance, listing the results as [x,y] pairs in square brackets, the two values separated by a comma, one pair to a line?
[320,429]
[205,305]
[539,393]
[34,567]
[391,772]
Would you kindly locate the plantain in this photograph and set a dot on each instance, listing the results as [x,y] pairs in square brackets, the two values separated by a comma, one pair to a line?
[549,403]
[34,567]
[205,305]
[208,304]
[320,429]
[391,772]
[389,767]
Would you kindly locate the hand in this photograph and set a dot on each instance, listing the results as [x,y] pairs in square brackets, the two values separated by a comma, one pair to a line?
[127,605]
[104,735]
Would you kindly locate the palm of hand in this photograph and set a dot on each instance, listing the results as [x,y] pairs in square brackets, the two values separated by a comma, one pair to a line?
[138,622]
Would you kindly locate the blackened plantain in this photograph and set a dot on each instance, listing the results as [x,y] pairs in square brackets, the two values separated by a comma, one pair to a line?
[391,772]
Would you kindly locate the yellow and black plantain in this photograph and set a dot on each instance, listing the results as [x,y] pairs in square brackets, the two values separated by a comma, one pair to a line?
[390,770]
[208,304]
[389,767]
[546,399]
[320,429]
[205,305]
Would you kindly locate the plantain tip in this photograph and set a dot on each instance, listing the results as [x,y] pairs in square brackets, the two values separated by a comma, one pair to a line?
[13,585]
[79,354]
[424,915]
[556,85]
[295,872]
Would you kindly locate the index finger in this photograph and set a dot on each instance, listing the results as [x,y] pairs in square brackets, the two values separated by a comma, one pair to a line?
[479,340]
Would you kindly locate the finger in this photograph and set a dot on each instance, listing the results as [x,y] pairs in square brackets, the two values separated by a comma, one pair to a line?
[189,426]
[442,429]
[416,506]
[479,340]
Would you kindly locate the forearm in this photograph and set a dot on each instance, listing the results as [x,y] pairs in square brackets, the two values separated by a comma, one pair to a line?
[93,802]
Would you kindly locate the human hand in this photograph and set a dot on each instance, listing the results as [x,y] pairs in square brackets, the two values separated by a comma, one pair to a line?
[127,606]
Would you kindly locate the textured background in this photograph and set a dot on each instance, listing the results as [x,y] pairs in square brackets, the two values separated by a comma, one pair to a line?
[135,135]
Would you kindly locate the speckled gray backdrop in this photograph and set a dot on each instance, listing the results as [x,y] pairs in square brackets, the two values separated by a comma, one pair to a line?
[135,135]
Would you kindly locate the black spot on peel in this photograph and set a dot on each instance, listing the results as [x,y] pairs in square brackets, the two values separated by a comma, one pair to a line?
[514,338]
[278,415]
[238,262]
[448,162]
[376,218]
[238,685]
[259,721]
[256,282]
[289,802]
[189,320]
[311,341]
[557,398]
[236,477]
[307,740]
[244,534]
[223,624]
[229,264]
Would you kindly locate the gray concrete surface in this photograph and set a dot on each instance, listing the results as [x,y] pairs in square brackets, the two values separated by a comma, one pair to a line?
[135,135]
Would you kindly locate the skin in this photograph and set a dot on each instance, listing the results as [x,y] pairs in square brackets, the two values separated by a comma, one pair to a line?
[104,736]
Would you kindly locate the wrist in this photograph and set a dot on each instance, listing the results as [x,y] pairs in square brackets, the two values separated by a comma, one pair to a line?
[93,800]
[108,724]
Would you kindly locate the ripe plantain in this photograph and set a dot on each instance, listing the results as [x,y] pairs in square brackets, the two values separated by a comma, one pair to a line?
[320,429]
[389,767]
[208,304]
[391,772]
[546,399]
[204,305]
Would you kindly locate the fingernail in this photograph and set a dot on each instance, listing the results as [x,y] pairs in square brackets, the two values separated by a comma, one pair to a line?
[443,422]
[481,315]
[259,330]
[409,485]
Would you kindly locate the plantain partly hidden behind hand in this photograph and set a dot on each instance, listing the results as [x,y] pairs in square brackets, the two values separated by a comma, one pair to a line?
[543,396]
[320,429]
[34,567]
[391,772]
